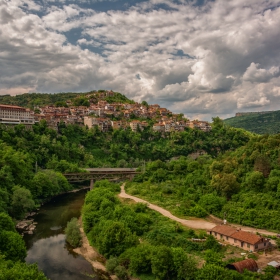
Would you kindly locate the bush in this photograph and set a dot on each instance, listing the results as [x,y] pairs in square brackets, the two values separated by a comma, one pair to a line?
[73,234]
[12,246]
[111,264]
[121,272]
[6,223]
[198,211]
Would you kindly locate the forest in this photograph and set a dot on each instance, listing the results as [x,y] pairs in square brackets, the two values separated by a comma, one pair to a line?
[243,185]
[267,122]
[142,243]
[238,175]
[31,100]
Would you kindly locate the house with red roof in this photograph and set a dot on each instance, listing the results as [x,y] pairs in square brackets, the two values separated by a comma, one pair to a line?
[237,237]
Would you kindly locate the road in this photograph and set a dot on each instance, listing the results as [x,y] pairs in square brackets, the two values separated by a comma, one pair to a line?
[195,223]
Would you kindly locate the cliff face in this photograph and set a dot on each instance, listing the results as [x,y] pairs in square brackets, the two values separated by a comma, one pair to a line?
[240,114]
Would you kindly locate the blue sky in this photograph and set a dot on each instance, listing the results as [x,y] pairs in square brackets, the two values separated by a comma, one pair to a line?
[201,58]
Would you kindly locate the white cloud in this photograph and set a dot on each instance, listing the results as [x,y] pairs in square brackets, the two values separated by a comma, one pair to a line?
[256,75]
[228,59]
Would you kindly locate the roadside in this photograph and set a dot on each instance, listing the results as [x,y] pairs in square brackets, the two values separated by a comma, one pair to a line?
[196,223]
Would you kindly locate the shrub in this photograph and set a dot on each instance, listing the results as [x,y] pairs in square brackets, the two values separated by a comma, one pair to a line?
[73,234]
[111,264]
[121,272]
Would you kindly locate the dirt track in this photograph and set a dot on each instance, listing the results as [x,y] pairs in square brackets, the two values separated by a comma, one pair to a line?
[195,223]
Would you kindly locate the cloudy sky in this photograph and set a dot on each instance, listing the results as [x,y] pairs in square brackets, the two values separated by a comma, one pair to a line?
[199,57]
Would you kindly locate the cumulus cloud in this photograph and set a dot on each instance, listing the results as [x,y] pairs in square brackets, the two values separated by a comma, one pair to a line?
[203,61]
[255,74]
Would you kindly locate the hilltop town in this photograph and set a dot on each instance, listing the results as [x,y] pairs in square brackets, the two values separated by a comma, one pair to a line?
[105,109]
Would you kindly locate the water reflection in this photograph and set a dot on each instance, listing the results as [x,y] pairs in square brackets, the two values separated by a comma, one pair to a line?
[58,261]
[47,246]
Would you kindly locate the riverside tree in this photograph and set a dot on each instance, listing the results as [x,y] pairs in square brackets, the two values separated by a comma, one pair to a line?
[73,234]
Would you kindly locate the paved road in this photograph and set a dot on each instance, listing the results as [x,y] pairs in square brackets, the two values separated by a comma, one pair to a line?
[195,224]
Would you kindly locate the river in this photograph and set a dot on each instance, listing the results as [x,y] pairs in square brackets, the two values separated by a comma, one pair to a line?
[47,246]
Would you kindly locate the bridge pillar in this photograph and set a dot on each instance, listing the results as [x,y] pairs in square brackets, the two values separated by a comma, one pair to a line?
[91,184]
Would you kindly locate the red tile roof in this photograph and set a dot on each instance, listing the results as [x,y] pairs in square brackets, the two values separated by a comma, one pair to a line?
[11,107]
[225,230]
[248,237]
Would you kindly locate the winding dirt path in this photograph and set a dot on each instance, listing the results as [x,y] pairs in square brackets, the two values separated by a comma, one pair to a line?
[195,223]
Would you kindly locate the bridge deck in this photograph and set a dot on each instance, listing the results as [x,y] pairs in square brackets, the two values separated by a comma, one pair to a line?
[101,173]
[110,169]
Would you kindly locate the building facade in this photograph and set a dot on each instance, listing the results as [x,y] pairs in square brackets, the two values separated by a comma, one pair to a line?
[13,115]
[243,239]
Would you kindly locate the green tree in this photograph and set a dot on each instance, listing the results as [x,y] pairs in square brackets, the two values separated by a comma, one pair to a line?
[225,184]
[184,267]
[140,259]
[255,181]
[212,203]
[263,165]
[20,271]
[22,201]
[115,238]
[73,234]
[214,272]
[6,223]
[12,246]
[111,264]
[144,103]
[162,262]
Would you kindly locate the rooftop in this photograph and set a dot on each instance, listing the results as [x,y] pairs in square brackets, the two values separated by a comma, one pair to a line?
[247,237]
[225,230]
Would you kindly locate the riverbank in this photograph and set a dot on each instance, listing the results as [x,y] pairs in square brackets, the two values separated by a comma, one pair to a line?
[92,256]
[27,225]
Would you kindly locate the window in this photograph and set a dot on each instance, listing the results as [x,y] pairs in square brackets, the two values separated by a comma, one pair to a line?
[248,245]
[234,240]
[264,244]
[256,246]
[215,233]
[227,237]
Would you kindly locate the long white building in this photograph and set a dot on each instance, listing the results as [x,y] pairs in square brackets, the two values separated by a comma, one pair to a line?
[12,115]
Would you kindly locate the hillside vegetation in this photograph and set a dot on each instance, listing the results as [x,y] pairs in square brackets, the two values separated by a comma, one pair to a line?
[239,174]
[243,184]
[30,100]
[267,123]
[142,243]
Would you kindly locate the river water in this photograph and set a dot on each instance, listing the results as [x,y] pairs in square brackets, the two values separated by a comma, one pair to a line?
[47,246]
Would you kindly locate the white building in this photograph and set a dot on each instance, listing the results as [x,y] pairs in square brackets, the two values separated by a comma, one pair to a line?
[12,115]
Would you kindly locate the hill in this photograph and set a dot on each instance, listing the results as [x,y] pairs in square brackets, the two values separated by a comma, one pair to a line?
[259,122]
[59,99]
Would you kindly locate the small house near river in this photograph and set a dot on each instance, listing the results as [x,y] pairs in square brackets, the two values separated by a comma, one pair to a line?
[236,237]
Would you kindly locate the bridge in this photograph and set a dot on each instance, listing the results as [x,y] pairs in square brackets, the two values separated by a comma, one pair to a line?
[96,174]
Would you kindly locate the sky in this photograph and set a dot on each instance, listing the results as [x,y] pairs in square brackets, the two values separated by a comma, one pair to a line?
[198,57]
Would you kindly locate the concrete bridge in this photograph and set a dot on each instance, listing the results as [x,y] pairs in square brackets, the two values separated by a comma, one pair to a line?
[96,174]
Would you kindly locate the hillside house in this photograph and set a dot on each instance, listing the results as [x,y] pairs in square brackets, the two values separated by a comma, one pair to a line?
[117,124]
[159,127]
[13,115]
[137,124]
[103,124]
[243,239]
